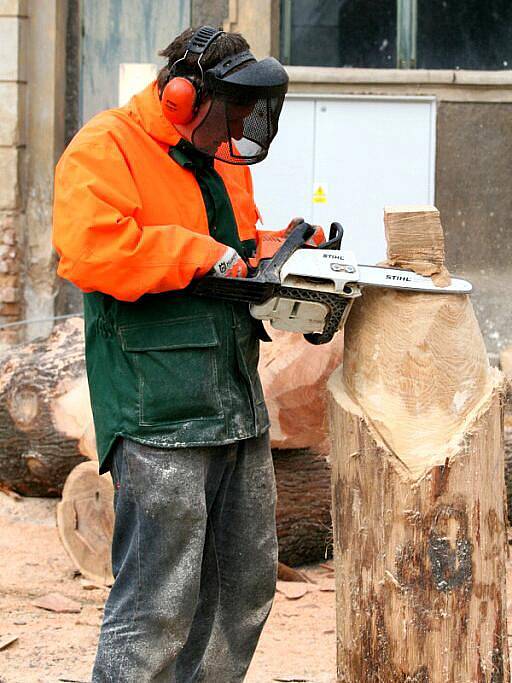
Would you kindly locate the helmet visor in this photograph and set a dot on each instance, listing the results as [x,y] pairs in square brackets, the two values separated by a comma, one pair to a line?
[238,133]
[244,111]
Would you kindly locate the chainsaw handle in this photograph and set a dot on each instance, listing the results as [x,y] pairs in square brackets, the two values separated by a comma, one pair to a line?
[338,313]
[296,239]
[335,237]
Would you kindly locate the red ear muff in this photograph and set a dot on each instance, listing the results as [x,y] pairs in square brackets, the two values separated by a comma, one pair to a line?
[179,100]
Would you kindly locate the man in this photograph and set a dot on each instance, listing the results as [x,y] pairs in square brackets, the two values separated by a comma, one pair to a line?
[141,209]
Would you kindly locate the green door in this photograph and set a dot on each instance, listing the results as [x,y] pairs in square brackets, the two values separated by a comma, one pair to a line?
[122,31]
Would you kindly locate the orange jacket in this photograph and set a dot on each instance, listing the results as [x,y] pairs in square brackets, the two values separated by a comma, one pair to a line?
[127,219]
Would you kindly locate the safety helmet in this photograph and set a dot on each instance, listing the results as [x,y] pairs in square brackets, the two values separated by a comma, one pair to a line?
[245,97]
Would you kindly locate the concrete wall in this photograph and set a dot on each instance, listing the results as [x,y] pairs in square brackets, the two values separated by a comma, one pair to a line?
[474,195]
[13,89]
[209,13]
[46,64]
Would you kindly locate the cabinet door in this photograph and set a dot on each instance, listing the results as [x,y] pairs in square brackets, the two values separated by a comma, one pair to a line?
[344,159]
[119,31]
[283,182]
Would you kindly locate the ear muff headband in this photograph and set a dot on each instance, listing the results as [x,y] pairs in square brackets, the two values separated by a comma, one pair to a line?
[181,96]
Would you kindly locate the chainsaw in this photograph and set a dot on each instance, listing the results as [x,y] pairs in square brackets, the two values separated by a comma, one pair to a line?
[310,289]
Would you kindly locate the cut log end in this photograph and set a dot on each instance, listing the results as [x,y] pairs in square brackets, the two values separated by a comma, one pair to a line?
[85,519]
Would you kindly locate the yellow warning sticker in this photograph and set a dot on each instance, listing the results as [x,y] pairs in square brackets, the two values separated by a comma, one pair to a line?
[320,194]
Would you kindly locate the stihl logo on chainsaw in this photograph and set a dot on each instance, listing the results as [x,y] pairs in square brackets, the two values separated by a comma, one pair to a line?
[334,256]
[402,278]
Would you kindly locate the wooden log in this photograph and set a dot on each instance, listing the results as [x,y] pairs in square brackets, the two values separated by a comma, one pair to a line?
[417,457]
[45,415]
[303,514]
[46,427]
[85,515]
[85,519]
[294,376]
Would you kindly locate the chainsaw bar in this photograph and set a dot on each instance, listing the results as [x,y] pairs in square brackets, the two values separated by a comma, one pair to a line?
[396,278]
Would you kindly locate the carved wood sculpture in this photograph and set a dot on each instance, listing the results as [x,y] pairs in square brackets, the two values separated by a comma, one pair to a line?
[417,457]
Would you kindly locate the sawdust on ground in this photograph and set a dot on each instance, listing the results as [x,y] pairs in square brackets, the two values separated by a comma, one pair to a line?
[298,643]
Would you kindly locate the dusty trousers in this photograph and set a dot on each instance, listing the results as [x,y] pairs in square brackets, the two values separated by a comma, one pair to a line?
[194,559]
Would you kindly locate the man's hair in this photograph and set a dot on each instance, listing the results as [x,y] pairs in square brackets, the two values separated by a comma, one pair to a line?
[226,45]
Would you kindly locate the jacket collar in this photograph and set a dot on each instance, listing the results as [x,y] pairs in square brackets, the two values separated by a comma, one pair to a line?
[146,110]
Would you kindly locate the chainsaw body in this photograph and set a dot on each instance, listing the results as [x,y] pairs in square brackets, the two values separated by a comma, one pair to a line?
[311,289]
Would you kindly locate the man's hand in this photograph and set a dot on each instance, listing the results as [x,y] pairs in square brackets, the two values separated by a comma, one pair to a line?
[269,241]
[231,264]
[317,238]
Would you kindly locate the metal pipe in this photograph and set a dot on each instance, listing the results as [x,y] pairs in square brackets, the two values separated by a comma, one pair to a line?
[407,27]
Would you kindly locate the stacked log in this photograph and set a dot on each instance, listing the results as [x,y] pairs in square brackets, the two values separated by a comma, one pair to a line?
[417,457]
[294,376]
[45,415]
[46,429]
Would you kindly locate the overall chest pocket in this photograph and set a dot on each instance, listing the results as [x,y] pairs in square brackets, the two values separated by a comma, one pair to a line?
[176,366]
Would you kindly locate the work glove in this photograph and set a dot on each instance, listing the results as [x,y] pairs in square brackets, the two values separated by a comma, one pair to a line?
[230,264]
[269,241]
[317,238]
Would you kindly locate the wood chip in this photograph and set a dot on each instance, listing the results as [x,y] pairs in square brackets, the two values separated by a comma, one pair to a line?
[325,585]
[5,641]
[56,602]
[292,590]
[89,585]
[292,679]
[326,565]
[69,678]
[285,573]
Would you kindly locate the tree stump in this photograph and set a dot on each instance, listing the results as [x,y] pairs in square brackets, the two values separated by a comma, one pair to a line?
[417,457]
[45,415]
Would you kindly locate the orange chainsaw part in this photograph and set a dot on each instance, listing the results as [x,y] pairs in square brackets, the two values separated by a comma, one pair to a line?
[270,241]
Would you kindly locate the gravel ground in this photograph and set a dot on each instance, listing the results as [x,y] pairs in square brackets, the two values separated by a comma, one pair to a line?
[298,643]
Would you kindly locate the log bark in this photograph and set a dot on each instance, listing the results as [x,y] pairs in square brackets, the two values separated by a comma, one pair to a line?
[417,457]
[303,515]
[45,415]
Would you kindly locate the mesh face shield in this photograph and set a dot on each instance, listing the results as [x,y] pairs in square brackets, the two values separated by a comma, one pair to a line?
[246,98]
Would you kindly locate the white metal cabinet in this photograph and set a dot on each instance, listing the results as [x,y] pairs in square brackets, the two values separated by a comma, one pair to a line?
[345,158]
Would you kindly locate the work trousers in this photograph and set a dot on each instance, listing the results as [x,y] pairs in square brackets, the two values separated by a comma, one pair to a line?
[194,559]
